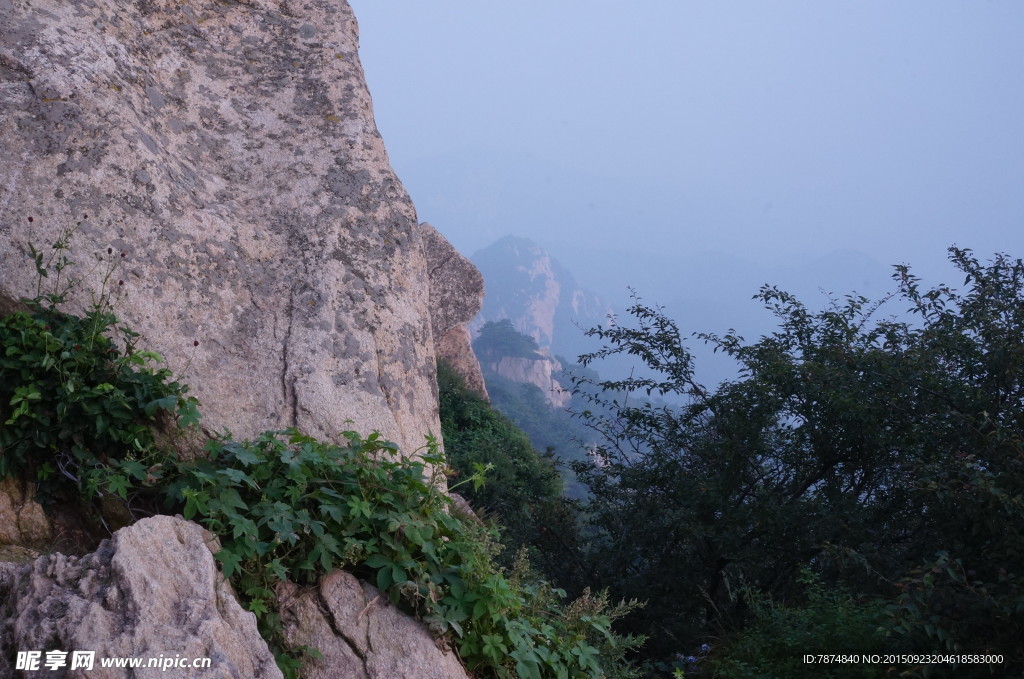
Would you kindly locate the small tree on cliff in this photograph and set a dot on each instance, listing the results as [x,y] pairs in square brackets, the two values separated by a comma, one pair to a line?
[500,338]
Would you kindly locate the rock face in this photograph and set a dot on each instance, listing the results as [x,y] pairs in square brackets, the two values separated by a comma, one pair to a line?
[151,591]
[456,347]
[229,150]
[456,296]
[541,298]
[22,520]
[361,635]
[537,371]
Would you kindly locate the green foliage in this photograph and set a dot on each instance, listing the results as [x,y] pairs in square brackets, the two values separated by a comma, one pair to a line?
[500,338]
[475,433]
[288,507]
[524,404]
[80,404]
[523,489]
[886,452]
[831,621]
[552,430]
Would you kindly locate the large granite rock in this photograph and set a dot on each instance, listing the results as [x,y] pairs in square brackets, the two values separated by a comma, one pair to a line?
[154,591]
[229,149]
[456,296]
[361,635]
[151,591]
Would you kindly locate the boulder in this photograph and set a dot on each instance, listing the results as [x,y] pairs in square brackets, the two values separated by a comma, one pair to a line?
[229,150]
[456,297]
[152,591]
[360,634]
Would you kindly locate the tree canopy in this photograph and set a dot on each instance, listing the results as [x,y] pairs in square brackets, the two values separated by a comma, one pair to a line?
[879,457]
[500,338]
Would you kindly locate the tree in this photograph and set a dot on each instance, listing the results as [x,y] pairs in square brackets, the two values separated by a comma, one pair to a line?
[522,489]
[884,454]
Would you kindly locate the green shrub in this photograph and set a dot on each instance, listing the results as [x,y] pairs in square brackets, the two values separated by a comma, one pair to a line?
[475,433]
[80,404]
[288,507]
[523,489]
[829,621]
[887,451]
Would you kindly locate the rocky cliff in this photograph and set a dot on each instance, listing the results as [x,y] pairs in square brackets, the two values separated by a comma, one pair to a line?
[456,296]
[229,150]
[542,299]
[225,156]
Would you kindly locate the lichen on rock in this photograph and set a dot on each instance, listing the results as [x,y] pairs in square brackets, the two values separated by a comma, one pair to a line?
[229,149]
[151,591]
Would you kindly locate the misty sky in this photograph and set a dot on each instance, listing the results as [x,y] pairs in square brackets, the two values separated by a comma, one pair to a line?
[665,130]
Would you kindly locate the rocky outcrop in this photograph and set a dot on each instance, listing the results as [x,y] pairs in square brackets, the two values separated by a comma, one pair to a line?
[528,286]
[229,150]
[456,296]
[361,635]
[540,371]
[152,591]
[456,348]
[22,520]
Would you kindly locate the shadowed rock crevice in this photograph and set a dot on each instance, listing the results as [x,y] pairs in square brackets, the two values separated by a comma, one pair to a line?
[288,392]
[360,634]
[338,629]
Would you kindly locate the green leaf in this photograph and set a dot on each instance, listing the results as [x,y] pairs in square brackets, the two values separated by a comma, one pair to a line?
[230,562]
[119,485]
[384,579]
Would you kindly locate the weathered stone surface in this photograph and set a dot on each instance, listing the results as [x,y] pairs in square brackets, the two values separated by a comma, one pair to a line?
[22,520]
[537,371]
[456,348]
[151,591]
[456,296]
[361,635]
[463,510]
[229,149]
[456,285]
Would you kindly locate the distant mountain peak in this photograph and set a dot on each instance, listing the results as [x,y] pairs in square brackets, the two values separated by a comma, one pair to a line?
[526,285]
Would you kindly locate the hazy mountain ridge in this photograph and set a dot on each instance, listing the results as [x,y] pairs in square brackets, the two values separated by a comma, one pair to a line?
[525,284]
[704,291]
